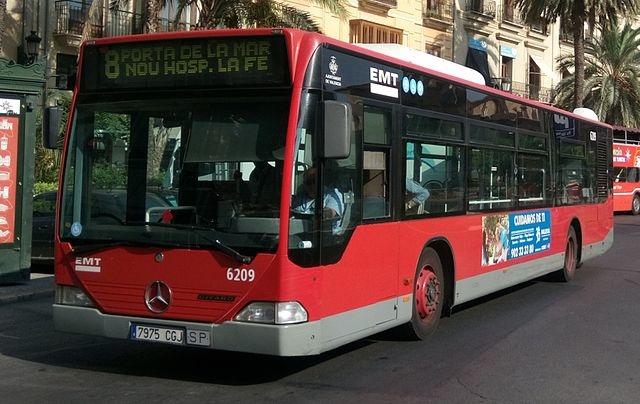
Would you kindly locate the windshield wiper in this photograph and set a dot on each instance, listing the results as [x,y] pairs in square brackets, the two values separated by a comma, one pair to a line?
[243,259]
[98,245]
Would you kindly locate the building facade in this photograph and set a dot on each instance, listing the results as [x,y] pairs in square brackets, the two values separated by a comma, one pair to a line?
[487,35]
[60,26]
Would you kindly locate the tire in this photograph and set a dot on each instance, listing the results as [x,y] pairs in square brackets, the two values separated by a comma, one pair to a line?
[428,294]
[635,204]
[568,271]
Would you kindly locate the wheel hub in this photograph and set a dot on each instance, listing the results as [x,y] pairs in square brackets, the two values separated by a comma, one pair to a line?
[427,294]
[570,258]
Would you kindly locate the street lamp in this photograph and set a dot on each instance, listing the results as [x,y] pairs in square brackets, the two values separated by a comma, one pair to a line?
[33,42]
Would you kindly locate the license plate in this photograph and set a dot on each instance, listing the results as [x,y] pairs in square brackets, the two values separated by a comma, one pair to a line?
[157,334]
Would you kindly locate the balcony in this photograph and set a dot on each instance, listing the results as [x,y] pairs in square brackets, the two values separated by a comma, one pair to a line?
[484,7]
[167,25]
[533,92]
[539,28]
[121,22]
[566,37]
[438,11]
[71,17]
[512,15]
[378,6]
[362,31]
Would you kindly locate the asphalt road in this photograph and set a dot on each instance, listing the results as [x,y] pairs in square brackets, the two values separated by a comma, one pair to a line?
[541,342]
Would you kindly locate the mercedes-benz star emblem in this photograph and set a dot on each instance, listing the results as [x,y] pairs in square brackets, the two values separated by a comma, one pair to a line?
[157,297]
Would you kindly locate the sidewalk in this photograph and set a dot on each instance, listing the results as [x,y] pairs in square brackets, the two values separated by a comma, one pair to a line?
[40,285]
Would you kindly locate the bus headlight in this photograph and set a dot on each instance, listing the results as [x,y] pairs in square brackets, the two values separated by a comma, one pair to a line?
[290,313]
[72,296]
[273,313]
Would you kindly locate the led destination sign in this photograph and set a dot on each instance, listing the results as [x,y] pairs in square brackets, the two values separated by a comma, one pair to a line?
[198,62]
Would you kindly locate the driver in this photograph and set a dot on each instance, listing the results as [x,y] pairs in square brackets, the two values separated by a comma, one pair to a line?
[416,192]
[332,204]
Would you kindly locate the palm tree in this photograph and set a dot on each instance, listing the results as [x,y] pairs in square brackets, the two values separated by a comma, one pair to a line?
[256,13]
[151,13]
[243,13]
[3,13]
[574,13]
[612,76]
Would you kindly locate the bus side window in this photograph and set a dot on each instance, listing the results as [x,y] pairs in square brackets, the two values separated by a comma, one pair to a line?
[632,175]
[573,175]
[490,179]
[375,175]
[533,178]
[434,179]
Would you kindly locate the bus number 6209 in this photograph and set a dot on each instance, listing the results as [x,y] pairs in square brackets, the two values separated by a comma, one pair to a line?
[241,274]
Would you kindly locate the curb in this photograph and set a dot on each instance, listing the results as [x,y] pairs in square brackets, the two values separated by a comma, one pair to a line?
[34,289]
[25,296]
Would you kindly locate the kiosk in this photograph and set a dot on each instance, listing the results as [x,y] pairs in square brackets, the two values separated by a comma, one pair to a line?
[21,90]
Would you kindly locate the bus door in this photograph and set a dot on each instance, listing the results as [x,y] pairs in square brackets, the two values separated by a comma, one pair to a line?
[366,252]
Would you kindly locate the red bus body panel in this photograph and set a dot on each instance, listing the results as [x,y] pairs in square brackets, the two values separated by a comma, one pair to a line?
[625,155]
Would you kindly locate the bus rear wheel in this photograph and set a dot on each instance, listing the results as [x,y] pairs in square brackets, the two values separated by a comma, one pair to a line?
[568,271]
[428,294]
[635,204]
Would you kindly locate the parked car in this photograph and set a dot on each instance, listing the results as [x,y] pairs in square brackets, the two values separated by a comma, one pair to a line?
[44,206]
[109,204]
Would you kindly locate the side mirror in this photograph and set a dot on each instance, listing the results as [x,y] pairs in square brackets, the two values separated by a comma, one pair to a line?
[338,124]
[51,127]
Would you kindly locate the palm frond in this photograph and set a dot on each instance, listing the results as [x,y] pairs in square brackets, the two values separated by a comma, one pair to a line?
[612,76]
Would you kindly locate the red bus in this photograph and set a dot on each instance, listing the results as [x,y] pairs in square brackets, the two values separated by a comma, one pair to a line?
[194,163]
[626,170]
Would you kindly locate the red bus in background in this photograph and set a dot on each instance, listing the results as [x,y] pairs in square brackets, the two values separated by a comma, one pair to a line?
[306,192]
[626,170]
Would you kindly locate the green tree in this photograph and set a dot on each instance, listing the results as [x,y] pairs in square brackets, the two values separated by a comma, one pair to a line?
[573,14]
[214,14]
[3,25]
[257,13]
[612,76]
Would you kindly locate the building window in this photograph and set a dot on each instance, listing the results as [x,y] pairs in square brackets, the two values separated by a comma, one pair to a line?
[534,80]
[506,73]
[507,68]
[66,65]
[433,49]
[361,31]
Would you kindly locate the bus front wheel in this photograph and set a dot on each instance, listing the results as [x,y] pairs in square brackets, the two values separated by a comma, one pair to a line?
[568,271]
[635,204]
[428,294]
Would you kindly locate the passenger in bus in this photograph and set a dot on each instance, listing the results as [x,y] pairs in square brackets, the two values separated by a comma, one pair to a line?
[415,195]
[333,205]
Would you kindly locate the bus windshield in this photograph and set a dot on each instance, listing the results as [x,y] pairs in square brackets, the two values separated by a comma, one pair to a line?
[176,171]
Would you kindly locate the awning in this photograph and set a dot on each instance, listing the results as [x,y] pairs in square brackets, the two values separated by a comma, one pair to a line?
[477,60]
[546,70]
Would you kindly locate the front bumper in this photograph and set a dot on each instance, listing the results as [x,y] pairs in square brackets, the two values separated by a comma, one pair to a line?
[281,340]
